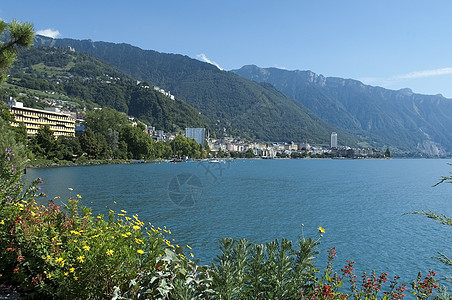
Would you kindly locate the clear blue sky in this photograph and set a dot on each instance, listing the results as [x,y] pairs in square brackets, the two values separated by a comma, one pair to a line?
[389,43]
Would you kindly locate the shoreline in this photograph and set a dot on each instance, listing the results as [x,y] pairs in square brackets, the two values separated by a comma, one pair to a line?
[52,164]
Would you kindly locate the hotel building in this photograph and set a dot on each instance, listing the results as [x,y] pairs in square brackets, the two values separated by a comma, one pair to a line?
[60,123]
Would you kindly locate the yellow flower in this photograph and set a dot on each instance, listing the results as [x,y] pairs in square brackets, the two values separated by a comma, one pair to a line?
[81,258]
[138,241]
[86,248]
[56,197]
[2,222]
[70,189]
[188,247]
[49,275]
[124,235]
[191,254]
[140,251]
[123,211]
[135,227]
[59,259]
[109,252]
[71,270]
[75,278]
[78,196]
[66,273]
[321,230]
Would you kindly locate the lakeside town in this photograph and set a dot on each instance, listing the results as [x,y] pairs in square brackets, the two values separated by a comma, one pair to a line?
[66,123]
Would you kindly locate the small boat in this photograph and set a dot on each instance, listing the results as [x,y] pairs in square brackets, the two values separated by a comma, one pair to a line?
[216,161]
[175,160]
[137,161]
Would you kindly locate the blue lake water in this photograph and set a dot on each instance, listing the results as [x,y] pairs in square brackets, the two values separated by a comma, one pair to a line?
[360,203]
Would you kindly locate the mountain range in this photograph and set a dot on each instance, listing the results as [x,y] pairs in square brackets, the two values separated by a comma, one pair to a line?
[400,119]
[271,104]
[236,106]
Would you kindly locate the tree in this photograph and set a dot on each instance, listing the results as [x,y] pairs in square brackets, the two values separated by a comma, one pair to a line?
[71,147]
[101,120]
[45,145]
[94,144]
[19,35]
[139,143]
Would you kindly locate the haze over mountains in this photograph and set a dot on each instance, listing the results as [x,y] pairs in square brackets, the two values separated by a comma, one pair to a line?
[271,104]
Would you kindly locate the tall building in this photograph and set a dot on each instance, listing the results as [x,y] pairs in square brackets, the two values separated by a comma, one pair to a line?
[333,140]
[198,134]
[33,119]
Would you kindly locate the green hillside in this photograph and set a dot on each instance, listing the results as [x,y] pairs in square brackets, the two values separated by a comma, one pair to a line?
[238,106]
[90,82]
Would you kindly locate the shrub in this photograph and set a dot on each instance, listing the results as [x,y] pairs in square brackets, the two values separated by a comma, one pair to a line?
[67,253]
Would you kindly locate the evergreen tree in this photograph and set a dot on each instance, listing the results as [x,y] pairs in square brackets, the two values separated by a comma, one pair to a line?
[387,153]
[19,35]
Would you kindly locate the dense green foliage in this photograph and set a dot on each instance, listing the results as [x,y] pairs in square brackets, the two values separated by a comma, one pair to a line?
[406,121]
[109,135]
[238,106]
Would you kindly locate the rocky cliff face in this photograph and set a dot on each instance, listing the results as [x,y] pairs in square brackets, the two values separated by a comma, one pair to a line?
[381,117]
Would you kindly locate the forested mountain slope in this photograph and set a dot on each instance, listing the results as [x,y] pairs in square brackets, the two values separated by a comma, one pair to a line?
[238,106]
